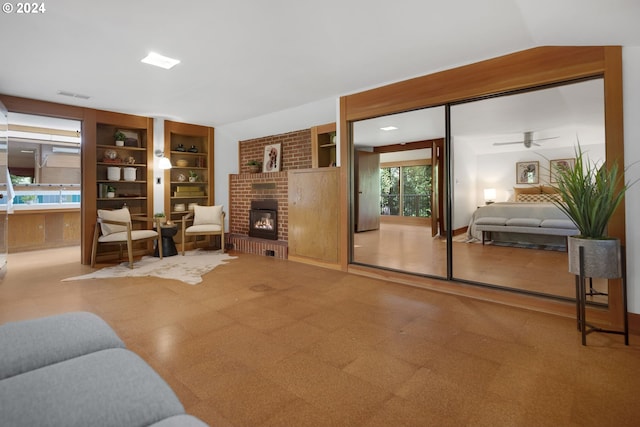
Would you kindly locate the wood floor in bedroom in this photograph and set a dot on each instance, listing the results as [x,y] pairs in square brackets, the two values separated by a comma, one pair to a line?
[412,249]
[269,342]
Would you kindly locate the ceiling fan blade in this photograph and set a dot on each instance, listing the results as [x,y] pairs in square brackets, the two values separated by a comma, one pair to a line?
[524,141]
[544,139]
[508,143]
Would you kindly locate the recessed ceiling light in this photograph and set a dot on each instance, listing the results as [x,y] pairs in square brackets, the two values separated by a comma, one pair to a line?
[160,61]
[388,128]
[73,95]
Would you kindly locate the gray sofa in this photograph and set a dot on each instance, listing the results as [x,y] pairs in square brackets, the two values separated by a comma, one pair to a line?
[73,370]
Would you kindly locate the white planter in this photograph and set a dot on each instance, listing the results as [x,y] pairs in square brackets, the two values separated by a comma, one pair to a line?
[119,143]
[113,173]
[602,258]
[111,194]
[129,174]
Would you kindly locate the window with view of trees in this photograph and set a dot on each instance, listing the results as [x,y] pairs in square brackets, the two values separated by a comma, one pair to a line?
[406,191]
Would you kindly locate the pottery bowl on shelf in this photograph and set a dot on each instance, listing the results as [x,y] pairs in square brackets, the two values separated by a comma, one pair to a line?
[179,207]
[182,163]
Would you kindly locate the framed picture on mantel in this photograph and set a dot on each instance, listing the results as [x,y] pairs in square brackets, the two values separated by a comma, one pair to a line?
[272,158]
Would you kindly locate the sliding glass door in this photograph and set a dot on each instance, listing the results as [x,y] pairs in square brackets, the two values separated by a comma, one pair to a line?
[503,154]
[406,235]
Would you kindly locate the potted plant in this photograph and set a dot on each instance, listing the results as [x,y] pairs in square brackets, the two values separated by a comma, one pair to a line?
[120,138]
[160,217]
[254,166]
[590,195]
[111,191]
[193,176]
[29,200]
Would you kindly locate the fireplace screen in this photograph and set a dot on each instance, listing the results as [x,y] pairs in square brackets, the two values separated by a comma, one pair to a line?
[263,219]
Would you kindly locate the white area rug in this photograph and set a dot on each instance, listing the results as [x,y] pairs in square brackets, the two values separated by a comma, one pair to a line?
[188,268]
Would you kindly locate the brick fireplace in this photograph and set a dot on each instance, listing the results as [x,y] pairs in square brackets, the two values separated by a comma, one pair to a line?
[245,187]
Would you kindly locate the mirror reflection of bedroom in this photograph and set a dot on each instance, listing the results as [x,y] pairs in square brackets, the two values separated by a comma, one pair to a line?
[507,232]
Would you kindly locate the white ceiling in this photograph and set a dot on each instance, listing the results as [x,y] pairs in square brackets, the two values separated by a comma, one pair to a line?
[246,58]
[555,116]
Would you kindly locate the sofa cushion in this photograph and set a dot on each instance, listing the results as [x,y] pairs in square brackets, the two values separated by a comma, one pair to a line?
[31,344]
[491,220]
[180,421]
[112,387]
[524,222]
[558,223]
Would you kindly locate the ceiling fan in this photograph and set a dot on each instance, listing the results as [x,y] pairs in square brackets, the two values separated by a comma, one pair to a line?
[528,140]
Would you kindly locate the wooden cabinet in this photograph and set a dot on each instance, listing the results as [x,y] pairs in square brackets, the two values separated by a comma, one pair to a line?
[314,216]
[323,145]
[190,180]
[43,229]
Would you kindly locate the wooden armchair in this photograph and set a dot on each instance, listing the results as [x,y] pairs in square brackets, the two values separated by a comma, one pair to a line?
[207,221]
[114,227]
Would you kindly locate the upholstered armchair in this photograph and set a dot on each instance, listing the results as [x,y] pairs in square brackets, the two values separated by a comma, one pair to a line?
[206,221]
[114,227]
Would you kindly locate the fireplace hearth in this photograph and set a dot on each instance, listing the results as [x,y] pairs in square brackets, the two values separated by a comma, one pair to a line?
[263,219]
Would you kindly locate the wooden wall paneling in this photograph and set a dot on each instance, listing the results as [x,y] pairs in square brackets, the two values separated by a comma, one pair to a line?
[520,70]
[89,211]
[314,215]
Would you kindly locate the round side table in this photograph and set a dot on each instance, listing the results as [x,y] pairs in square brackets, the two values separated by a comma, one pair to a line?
[168,245]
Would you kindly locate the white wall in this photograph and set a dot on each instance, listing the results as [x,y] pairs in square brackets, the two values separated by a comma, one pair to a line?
[499,170]
[158,144]
[465,173]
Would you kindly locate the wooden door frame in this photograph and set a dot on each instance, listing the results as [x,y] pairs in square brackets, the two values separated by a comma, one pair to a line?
[528,69]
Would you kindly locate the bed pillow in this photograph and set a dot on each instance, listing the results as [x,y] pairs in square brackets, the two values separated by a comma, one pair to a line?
[538,198]
[526,190]
[548,189]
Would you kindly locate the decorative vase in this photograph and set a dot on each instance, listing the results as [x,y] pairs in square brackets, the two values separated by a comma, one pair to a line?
[113,173]
[193,149]
[181,148]
[129,174]
[602,257]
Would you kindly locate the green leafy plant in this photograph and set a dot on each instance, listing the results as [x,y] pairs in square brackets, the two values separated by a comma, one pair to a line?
[159,215]
[119,136]
[590,194]
[29,199]
[254,163]
[111,189]
[193,174]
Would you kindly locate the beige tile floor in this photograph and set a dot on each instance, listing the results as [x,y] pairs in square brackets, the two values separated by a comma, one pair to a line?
[267,342]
